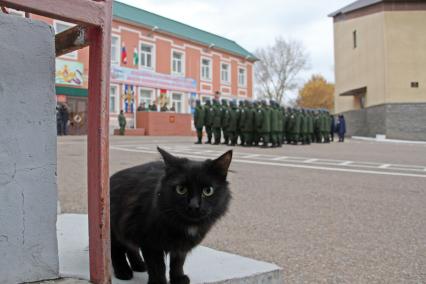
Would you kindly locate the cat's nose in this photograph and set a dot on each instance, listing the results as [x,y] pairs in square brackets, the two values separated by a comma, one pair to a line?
[194,204]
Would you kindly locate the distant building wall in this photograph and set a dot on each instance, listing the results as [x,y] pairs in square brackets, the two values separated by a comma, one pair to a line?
[28,192]
[382,48]
[360,66]
[396,121]
[405,35]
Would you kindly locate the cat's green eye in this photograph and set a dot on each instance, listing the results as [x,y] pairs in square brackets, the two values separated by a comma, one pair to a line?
[208,191]
[181,190]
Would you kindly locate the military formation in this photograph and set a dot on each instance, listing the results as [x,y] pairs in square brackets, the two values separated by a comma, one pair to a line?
[261,124]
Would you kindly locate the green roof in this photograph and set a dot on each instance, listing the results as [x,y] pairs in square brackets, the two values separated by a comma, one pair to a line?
[69,91]
[138,16]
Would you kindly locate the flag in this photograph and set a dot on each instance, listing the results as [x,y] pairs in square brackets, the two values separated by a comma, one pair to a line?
[135,57]
[123,54]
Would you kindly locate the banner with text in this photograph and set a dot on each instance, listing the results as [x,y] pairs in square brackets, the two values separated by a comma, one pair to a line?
[152,79]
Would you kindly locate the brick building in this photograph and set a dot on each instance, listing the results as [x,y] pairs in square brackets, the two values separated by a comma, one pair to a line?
[155,59]
[380,69]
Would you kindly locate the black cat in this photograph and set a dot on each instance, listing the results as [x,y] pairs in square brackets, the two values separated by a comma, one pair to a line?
[164,208]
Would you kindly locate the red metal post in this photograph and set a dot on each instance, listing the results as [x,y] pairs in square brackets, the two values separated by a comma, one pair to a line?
[97,15]
[98,150]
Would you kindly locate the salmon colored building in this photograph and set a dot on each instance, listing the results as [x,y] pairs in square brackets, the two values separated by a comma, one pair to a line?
[155,60]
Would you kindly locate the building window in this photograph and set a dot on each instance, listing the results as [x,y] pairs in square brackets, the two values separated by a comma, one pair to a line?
[224,74]
[206,69]
[113,99]
[241,77]
[145,97]
[115,49]
[177,102]
[147,56]
[354,38]
[414,84]
[178,63]
[60,27]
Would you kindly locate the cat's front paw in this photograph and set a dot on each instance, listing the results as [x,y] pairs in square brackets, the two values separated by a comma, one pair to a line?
[183,279]
[123,273]
[139,267]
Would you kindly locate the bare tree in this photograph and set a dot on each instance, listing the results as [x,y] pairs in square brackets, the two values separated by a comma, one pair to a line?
[276,73]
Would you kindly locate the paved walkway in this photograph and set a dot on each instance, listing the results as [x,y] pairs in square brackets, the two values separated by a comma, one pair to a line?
[350,212]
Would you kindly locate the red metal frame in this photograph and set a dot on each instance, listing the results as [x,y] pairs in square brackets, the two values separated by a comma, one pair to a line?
[96,15]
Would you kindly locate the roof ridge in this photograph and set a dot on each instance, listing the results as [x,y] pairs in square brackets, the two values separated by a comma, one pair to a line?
[169,19]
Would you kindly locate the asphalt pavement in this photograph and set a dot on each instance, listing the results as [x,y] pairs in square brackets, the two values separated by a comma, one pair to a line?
[350,212]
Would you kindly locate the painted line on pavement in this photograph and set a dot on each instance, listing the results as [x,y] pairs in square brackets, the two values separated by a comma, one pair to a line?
[184,149]
[288,165]
[279,158]
[384,166]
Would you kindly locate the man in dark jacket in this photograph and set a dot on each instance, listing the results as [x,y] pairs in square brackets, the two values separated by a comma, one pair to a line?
[64,119]
[58,120]
[199,116]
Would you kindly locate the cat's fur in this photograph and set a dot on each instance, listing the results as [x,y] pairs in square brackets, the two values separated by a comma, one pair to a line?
[149,214]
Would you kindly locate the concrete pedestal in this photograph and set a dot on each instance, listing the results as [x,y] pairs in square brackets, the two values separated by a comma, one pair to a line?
[204,265]
[28,192]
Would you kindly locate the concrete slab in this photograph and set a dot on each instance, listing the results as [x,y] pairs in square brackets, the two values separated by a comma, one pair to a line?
[204,265]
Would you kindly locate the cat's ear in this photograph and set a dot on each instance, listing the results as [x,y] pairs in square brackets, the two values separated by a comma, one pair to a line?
[168,158]
[221,164]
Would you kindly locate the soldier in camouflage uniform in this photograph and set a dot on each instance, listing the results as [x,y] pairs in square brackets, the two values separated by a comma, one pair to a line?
[284,122]
[327,126]
[280,125]
[209,121]
[275,125]
[225,121]
[217,121]
[241,119]
[317,127]
[323,126]
[199,120]
[258,119]
[248,124]
[265,130]
[298,126]
[310,126]
[233,123]
[303,127]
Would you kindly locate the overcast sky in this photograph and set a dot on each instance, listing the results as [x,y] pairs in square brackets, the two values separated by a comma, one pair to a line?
[256,23]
